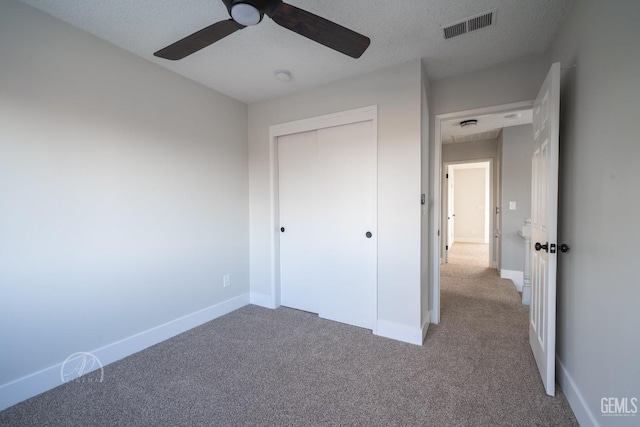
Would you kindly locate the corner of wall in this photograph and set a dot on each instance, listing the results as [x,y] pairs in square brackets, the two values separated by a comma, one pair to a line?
[46,379]
[396,331]
[576,400]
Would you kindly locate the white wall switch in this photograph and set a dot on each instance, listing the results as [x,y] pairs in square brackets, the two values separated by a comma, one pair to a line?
[512,206]
[226,280]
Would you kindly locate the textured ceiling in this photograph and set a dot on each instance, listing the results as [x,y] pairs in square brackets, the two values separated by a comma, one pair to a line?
[242,65]
[488,127]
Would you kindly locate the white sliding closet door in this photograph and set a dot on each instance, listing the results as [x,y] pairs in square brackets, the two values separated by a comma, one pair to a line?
[297,163]
[328,191]
[347,155]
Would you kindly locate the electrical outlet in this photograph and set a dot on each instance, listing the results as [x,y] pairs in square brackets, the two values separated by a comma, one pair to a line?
[226,280]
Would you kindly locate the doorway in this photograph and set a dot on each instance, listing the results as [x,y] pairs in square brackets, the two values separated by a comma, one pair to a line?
[468,199]
[438,233]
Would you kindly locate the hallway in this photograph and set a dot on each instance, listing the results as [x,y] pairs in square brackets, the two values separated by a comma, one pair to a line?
[484,329]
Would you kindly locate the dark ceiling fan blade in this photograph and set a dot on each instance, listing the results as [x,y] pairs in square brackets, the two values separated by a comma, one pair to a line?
[319,29]
[199,40]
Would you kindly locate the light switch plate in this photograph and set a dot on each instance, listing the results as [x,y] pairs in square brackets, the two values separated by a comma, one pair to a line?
[512,206]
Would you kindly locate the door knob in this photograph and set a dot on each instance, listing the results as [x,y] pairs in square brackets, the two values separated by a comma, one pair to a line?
[368,234]
[539,246]
[564,248]
[282,229]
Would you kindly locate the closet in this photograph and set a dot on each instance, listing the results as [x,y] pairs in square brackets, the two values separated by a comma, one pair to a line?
[327,185]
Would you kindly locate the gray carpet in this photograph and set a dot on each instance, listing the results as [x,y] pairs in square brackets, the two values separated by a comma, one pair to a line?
[260,367]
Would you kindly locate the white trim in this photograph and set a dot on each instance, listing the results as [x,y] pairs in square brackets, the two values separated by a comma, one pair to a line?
[471,240]
[436,238]
[436,188]
[517,277]
[396,331]
[425,326]
[327,121]
[357,115]
[262,300]
[38,382]
[576,400]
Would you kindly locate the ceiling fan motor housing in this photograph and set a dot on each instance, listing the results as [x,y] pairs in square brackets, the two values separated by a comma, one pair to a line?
[246,12]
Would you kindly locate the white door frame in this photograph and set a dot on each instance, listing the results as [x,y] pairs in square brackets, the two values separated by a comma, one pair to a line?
[436,239]
[369,113]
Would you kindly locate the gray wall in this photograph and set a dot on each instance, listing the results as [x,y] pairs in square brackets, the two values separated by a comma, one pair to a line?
[506,83]
[123,193]
[470,151]
[598,287]
[517,151]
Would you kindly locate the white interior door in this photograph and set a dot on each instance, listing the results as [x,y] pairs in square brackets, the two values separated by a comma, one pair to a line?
[451,216]
[497,236]
[298,187]
[544,220]
[328,250]
[348,244]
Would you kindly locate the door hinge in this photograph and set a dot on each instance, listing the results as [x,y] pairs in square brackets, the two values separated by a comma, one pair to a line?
[447,175]
[447,247]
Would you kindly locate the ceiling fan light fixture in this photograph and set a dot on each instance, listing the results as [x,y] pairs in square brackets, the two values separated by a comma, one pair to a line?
[468,123]
[246,14]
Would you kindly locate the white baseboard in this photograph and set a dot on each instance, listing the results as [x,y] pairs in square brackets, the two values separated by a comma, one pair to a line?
[400,332]
[517,277]
[470,240]
[425,326]
[577,402]
[263,300]
[38,382]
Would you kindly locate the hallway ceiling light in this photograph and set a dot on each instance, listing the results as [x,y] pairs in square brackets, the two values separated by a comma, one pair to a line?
[283,75]
[468,123]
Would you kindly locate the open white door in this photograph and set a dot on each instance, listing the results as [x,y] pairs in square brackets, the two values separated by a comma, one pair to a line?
[544,221]
[451,216]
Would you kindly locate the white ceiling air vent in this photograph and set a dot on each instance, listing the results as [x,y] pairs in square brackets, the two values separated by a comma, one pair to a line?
[473,23]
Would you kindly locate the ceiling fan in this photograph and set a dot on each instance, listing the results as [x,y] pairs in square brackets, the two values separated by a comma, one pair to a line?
[245,13]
